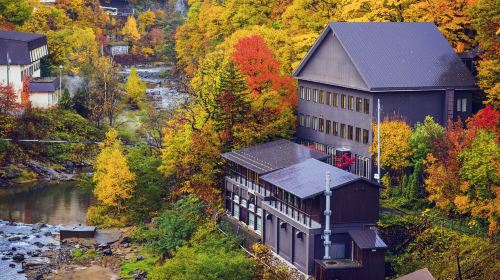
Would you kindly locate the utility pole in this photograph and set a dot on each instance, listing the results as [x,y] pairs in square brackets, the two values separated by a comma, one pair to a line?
[378,141]
[328,213]
[60,81]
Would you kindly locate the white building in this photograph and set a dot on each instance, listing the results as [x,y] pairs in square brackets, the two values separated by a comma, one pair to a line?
[20,55]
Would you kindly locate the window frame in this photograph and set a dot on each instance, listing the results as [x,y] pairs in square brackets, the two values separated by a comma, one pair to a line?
[350,102]
[359,104]
[321,125]
[357,136]
[343,101]
[350,132]
[342,130]
[335,128]
[320,98]
[366,136]
[328,129]
[366,106]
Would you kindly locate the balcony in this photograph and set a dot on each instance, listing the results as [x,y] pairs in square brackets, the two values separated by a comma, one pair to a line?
[248,184]
[293,213]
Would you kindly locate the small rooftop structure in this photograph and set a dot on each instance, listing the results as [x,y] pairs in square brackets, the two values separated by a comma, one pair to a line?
[48,84]
[270,156]
[392,56]
[421,274]
[307,178]
[367,239]
[19,46]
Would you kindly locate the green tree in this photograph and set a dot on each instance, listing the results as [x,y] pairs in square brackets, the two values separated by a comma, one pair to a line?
[15,11]
[425,137]
[210,255]
[135,87]
[65,102]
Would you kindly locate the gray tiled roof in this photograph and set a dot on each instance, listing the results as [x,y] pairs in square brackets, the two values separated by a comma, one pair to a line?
[270,156]
[18,45]
[399,56]
[44,85]
[367,239]
[307,179]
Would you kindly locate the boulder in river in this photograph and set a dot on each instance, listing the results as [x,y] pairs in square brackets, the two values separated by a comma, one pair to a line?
[18,257]
[36,261]
[14,238]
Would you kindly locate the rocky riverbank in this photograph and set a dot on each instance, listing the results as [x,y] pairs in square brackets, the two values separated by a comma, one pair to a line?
[35,252]
[26,171]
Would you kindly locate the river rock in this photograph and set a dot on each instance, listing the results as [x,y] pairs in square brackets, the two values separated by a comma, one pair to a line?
[12,265]
[14,238]
[18,257]
[36,261]
[4,258]
[38,244]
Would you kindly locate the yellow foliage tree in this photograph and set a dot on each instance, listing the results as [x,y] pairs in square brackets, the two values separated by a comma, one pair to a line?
[130,30]
[394,144]
[135,87]
[146,20]
[113,178]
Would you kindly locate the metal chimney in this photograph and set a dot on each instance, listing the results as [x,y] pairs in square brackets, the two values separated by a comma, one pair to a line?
[328,213]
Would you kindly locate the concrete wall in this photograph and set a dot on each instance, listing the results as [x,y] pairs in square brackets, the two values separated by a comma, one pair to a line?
[14,78]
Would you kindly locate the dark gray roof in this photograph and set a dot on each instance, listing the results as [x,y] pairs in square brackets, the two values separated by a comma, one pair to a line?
[367,239]
[44,85]
[270,156]
[399,55]
[307,179]
[19,45]
[421,274]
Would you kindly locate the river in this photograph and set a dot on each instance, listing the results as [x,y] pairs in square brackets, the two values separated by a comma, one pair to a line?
[30,214]
[49,203]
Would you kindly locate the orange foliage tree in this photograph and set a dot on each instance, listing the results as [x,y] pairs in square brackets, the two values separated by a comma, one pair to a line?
[8,102]
[25,93]
[261,69]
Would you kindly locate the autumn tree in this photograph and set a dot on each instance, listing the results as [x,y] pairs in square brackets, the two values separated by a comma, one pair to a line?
[8,99]
[424,137]
[485,17]
[480,170]
[394,145]
[146,20]
[256,62]
[130,30]
[266,266]
[104,91]
[25,94]
[487,118]
[14,12]
[135,87]
[114,182]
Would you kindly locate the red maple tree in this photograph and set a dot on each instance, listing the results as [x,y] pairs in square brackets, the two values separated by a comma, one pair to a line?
[8,99]
[345,161]
[25,93]
[256,62]
[487,118]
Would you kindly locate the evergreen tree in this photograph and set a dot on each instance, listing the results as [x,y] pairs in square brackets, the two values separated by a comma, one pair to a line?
[65,101]
[231,104]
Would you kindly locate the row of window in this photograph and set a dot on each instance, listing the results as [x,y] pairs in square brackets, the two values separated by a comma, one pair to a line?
[337,129]
[332,99]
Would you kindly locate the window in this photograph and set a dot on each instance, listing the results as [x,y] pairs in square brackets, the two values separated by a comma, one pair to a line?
[321,125]
[350,131]
[342,101]
[358,104]
[335,128]
[462,105]
[315,123]
[308,94]
[301,120]
[315,95]
[350,103]
[251,220]
[321,101]
[342,130]
[328,98]
[259,224]
[308,121]
[335,101]
[366,107]
[301,93]
[358,134]
[365,136]
[236,211]
[327,130]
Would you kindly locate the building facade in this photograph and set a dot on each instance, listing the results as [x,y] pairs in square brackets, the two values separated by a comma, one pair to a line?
[277,190]
[20,56]
[409,67]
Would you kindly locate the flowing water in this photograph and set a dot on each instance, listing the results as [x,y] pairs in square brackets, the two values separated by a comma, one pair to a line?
[30,214]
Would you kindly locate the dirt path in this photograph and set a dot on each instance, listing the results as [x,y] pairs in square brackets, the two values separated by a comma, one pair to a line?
[94,272]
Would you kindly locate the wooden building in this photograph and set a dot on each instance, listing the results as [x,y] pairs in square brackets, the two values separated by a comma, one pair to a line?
[408,66]
[277,190]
